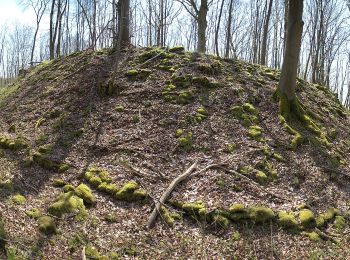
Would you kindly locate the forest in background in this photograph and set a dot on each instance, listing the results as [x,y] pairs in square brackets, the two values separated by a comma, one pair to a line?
[250,30]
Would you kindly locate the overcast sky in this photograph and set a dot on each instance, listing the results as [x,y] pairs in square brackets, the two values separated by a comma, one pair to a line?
[10,11]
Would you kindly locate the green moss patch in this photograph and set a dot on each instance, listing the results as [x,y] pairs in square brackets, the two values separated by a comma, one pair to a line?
[177,50]
[255,132]
[140,74]
[34,213]
[12,144]
[213,68]
[85,193]
[186,141]
[47,225]
[307,218]
[68,203]
[19,199]
[261,214]
[246,113]
[131,192]
[287,220]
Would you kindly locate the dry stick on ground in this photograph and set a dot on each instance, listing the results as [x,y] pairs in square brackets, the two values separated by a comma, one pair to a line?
[326,236]
[83,255]
[167,193]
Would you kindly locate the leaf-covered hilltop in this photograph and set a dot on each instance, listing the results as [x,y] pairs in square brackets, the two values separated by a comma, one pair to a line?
[89,143]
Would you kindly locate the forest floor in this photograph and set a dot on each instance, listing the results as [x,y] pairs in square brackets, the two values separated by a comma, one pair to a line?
[144,118]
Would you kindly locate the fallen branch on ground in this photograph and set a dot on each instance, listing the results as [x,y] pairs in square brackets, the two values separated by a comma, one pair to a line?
[167,193]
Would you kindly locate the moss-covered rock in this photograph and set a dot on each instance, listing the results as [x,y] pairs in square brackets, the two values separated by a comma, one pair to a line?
[307,218]
[67,203]
[213,68]
[140,74]
[19,199]
[220,221]
[97,176]
[247,113]
[131,192]
[260,214]
[177,49]
[261,177]
[34,213]
[68,187]
[313,236]
[58,183]
[287,220]
[181,80]
[186,141]
[47,225]
[110,188]
[197,210]
[85,193]
[340,222]
[255,132]
[12,144]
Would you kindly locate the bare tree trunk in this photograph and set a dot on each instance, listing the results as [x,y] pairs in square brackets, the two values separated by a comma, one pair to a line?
[228,32]
[287,84]
[52,43]
[218,29]
[264,40]
[124,23]
[202,26]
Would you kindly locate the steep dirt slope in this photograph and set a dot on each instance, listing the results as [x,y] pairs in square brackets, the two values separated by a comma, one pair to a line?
[126,126]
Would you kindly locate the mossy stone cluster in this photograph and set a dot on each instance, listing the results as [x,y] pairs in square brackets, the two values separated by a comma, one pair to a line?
[213,68]
[19,199]
[71,203]
[186,140]
[47,225]
[247,113]
[177,50]
[304,220]
[34,213]
[255,132]
[100,179]
[151,53]
[131,191]
[287,220]
[12,144]
[140,74]
[200,115]
[171,94]
[265,167]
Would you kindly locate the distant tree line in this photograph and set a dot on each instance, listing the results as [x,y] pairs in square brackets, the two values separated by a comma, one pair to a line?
[251,30]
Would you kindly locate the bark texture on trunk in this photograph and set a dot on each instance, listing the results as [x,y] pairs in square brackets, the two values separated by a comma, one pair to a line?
[124,24]
[264,40]
[202,26]
[287,84]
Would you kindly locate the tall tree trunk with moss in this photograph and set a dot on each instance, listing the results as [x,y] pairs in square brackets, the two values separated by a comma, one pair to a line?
[287,84]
